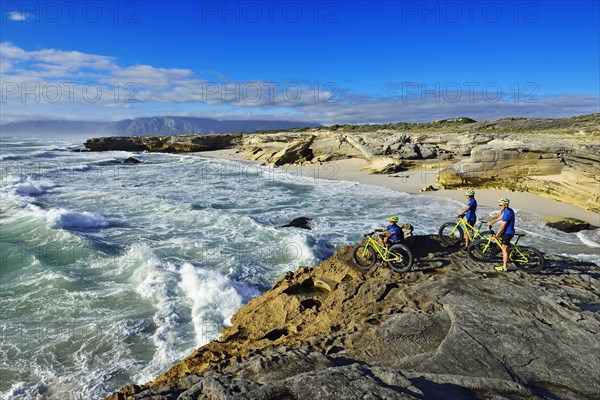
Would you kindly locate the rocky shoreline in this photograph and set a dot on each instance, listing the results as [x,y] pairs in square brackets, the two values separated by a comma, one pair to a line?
[451,328]
[556,158]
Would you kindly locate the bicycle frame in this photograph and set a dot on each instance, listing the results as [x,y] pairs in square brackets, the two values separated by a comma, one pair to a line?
[513,248]
[467,228]
[526,258]
[381,250]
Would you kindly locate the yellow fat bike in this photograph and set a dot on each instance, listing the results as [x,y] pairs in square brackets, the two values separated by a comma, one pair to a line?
[451,233]
[397,256]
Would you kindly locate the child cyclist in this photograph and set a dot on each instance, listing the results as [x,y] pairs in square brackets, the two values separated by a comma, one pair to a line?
[392,234]
[469,212]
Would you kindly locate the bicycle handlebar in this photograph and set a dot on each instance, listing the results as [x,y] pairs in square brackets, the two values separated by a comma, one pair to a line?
[369,234]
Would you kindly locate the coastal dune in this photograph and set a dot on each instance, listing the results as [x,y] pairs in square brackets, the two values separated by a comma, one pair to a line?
[451,328]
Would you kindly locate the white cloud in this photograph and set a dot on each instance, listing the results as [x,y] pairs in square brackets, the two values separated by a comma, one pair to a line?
[17,16]
[98,86]
[10,51]
[51,63]
[147,76]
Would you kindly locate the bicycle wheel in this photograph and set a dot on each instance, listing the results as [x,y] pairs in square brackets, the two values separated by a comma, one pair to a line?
[364,256]
[402,258]
[450,236]
[527,259]
[479,250]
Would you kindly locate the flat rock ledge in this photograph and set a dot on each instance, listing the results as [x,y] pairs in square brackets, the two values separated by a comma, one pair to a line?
[449,329]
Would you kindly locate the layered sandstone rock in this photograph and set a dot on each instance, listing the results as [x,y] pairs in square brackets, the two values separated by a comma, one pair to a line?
[560,169]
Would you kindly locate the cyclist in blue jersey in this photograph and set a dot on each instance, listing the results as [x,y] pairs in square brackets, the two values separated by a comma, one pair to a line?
[506,230]
[469,212]
[393,232]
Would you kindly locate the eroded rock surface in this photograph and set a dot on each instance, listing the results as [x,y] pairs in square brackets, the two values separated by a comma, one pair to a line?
[451,328]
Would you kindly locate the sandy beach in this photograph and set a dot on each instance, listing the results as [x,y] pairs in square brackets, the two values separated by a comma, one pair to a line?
[413,181]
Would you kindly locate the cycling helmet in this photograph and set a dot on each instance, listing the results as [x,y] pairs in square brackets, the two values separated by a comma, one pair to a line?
[393,218]
[470,193]
[506,202]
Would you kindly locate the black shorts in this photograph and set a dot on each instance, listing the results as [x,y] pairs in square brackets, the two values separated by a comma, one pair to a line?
[507,237]
[472,223]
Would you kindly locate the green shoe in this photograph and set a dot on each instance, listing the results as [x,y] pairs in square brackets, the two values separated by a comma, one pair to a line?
[500,268]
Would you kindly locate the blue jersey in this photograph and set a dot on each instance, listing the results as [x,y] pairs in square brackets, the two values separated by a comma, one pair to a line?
[508,216]
[395,231]
[470,215]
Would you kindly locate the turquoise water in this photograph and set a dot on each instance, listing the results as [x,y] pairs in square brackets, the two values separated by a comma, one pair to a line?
[110,273]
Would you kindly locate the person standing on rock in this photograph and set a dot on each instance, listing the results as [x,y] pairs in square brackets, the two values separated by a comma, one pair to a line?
[393,232]
[469,213]
[506,230]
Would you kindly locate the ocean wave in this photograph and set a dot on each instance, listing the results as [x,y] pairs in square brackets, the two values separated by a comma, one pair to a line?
[31,187]
[43,154]
[7,157]
[214,299]
[67,219]
[157,284]
[593,258]
[590,238]
[25,390]
[78,167]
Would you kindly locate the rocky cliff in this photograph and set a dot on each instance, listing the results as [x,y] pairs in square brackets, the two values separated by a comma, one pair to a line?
[557,158]
[450,329]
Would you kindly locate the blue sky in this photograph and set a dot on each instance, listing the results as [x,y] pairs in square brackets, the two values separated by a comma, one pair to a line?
[324,61]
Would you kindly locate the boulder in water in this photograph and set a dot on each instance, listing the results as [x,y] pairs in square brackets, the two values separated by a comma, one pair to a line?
[131,160]
[301,222]
[568,225]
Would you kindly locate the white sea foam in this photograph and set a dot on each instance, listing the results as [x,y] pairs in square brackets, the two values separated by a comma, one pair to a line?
[213,298]
[593,258]
[157,284]
[590,238]
[31,187]
[62,218]
[25,391]
[8,157]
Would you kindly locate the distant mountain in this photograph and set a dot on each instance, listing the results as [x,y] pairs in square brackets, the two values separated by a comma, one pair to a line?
[42,128]
[147,126]
[184,125]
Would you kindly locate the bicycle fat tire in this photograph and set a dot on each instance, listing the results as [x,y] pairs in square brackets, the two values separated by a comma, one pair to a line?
[405,258]
[364,258]
[476,253]
[451,240]
[535,261]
